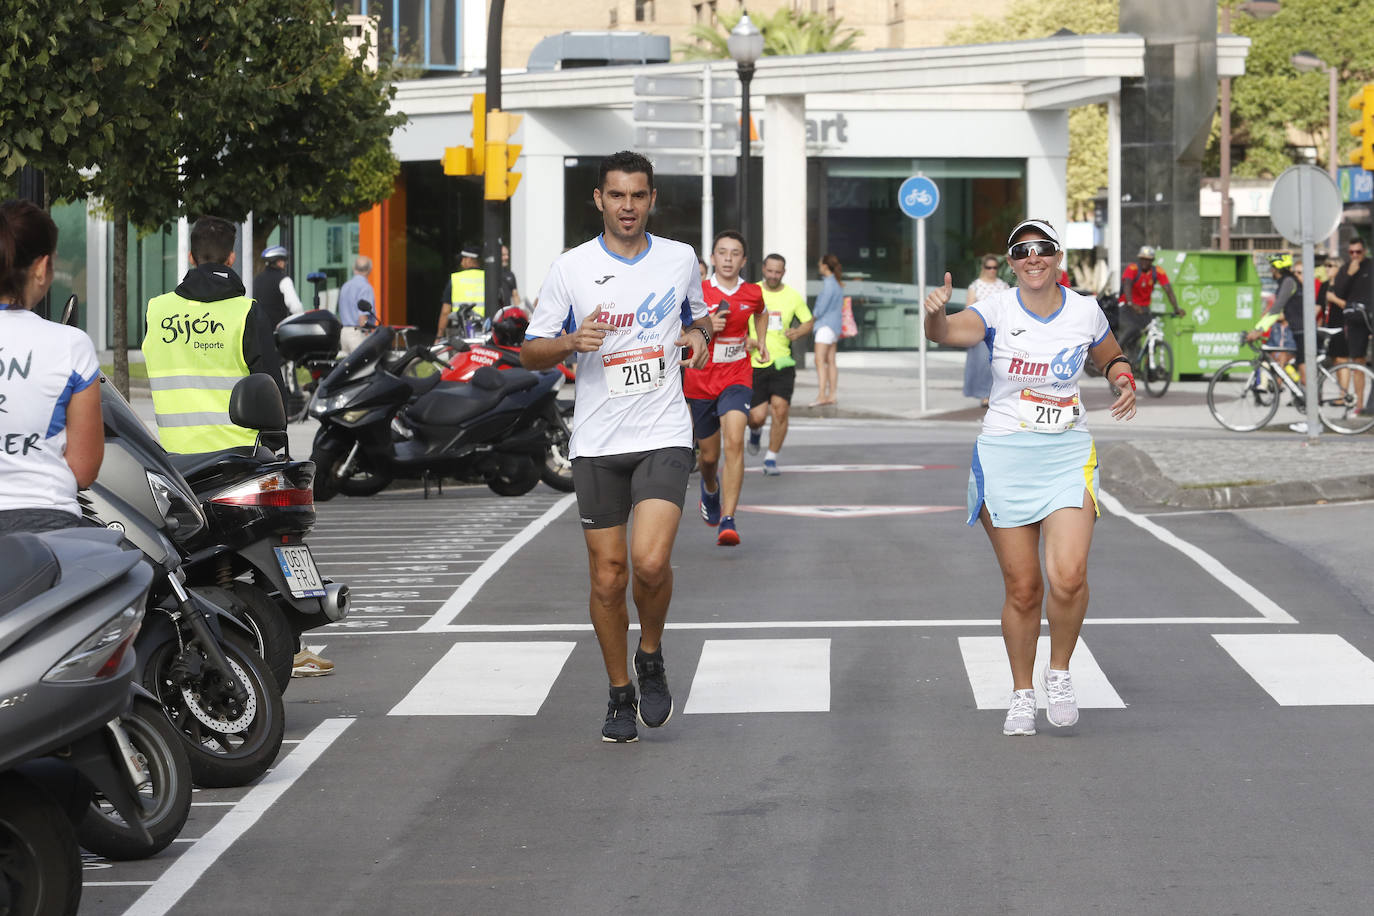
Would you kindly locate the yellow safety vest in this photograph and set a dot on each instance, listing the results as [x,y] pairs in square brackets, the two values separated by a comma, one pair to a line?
[194,353]
[470,286]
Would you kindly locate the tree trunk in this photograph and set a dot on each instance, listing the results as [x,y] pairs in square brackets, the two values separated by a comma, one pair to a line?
[121,302]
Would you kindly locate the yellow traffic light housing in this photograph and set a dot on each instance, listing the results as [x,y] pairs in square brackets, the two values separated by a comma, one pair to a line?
[501,182]
[1363,129]
[469,160]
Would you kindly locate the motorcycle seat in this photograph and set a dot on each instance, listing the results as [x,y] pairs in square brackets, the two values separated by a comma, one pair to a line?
[453,402]
[419,386]
[30,570]
[193,464]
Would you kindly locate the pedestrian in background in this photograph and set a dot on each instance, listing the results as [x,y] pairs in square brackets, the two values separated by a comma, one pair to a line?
[510,295]
[273,290]
[828,315]
[50,419]
[1350,291]
[978,360]
[1034,470]
[357,291]
[774,381]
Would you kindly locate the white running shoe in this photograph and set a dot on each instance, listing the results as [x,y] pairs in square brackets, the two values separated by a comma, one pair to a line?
[1061,706]
[1021,714]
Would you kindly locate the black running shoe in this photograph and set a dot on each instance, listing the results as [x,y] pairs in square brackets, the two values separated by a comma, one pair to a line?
[620,716]
[655,702]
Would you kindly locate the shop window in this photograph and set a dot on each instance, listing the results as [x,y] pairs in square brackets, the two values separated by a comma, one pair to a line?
[696,13]
[422,32]
[644,10]
[615,17]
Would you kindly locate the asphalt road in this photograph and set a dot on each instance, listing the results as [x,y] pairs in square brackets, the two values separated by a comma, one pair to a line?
[837,742]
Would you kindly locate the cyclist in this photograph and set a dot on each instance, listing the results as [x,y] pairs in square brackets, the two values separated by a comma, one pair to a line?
[1137,286]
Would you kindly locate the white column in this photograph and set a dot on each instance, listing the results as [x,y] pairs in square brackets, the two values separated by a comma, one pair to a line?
[473,35]
[246,252]
[1114,190]
[1046,189]
[97,274]
[784,186]
[183,246]
[536,220]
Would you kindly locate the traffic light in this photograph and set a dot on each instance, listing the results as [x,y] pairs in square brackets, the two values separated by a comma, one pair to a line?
[1363,129]
[469,160]
[501,155]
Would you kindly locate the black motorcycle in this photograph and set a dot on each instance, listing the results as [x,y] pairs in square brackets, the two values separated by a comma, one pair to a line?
[379,422]
[197,659]
[308,345]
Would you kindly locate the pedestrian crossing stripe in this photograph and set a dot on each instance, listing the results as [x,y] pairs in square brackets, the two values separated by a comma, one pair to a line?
[857,468]
[844,512]
[488,679]
[761,675]
[1304,669]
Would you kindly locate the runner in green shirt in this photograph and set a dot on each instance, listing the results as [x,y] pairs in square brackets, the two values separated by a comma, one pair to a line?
[775,380]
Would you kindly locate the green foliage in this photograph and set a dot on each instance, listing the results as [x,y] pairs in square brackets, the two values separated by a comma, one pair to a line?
[786,32]
[1025,19]
[1274,104]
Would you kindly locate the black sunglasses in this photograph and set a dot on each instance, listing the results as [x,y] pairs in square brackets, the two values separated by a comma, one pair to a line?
[1022,250]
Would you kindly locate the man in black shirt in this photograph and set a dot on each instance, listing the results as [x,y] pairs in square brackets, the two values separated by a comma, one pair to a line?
[1350,291]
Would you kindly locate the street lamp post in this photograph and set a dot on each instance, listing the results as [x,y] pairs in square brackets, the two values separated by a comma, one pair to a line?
[746,47]
[1306,60]
[1260,9]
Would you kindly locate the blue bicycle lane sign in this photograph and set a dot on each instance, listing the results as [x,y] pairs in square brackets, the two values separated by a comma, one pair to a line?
[918,197]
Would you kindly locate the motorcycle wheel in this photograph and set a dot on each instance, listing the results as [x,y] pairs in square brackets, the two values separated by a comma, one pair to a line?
[225,745]
[276,643]
[40,864]
[556,470]
[166,798]
[515,478]
[359,483]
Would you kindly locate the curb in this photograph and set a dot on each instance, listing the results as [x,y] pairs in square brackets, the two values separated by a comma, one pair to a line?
[1127,471]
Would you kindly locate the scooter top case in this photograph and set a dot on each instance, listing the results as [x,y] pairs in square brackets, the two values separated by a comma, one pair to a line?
[71,603]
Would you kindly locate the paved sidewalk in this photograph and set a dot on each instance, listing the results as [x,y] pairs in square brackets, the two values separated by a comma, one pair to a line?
[1172,453]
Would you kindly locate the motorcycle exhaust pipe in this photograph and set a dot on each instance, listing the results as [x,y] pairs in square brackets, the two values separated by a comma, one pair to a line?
[336,602]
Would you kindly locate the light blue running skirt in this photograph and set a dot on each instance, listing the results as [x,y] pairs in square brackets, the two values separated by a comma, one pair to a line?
[1024,476]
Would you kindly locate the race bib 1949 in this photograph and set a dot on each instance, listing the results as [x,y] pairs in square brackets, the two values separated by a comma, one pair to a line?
[1047,413]
[728,349]
[632,372]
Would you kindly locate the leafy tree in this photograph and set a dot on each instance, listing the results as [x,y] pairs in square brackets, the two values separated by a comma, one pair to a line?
[1025,19]
[786,32]
[1274,106]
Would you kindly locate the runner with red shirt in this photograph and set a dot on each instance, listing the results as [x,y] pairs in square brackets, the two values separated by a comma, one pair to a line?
[719,393]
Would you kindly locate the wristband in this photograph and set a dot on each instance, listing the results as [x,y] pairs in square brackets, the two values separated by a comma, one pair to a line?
[1107,369]
[704,333]
[1128,377]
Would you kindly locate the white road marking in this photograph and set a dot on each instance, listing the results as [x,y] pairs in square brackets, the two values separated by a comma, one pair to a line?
[469,589]
[848,512]
[985,660]
[761,675]
[488,679]
[1244,590]
[118,883]
[1304,669]
[187,868]
[853,468]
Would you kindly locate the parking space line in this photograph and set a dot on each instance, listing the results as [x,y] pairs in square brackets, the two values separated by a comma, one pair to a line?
[187,869]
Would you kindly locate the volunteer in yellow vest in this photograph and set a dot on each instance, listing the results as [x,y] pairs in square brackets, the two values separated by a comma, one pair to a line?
[468,286]
[201,340]
[774,381]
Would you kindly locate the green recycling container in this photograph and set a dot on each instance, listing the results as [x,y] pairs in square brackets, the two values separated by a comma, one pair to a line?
[1219,292]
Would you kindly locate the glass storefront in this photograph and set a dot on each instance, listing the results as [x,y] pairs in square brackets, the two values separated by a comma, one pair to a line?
[443,214]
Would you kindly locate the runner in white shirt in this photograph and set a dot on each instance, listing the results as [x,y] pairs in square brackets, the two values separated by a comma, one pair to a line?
[1035,464]
[51,434]
[625,302]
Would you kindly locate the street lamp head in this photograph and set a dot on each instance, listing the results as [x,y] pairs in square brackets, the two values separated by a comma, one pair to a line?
[1306,60]
[745,42]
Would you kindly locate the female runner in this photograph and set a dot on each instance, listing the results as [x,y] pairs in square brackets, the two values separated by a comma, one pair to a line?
[1034,464]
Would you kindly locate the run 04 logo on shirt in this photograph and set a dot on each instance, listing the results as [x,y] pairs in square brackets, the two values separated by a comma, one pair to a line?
[1037,361]
[629,392]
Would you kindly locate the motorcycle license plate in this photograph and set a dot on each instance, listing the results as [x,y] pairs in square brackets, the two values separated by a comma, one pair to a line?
[302,578]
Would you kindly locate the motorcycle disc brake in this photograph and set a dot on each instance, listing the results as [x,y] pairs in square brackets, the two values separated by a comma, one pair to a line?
[224,726]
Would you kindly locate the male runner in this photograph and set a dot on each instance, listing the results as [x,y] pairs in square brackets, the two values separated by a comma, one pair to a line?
[774,381]
[624,303]
[719,394]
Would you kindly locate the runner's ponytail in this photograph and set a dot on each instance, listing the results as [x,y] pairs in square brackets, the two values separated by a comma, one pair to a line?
[27,233]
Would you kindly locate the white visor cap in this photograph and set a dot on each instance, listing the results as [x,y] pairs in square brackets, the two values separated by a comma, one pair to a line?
[1039,224]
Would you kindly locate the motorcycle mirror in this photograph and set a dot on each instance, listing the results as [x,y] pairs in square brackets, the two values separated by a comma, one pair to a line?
[255,403]
[364,306]
[69,311]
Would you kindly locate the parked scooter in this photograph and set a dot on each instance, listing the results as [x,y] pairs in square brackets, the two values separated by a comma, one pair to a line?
[308,345]
[197,659]
[71,603]
[378,423]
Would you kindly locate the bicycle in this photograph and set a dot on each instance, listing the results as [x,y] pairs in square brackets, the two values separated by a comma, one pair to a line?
[1244,394]
[1154,362]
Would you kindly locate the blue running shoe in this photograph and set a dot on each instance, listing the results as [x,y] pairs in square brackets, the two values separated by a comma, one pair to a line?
[710,506]
[727,536]
[770,468]
[755,441]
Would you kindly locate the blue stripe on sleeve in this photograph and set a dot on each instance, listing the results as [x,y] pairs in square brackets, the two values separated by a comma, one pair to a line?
[1102,338]
[686,312]
[569,326]
[58,422]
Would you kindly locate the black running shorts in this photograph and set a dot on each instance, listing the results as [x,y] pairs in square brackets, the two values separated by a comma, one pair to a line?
[609,486]
[770,382]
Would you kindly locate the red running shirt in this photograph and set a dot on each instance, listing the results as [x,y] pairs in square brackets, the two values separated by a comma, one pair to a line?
[729,362]
[1137,286]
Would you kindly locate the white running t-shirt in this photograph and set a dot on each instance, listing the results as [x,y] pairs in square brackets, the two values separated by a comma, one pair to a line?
[629,393]
[42,364]
[1036,362]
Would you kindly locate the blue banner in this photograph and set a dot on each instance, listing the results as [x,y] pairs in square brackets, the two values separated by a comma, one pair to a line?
[1357,185]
